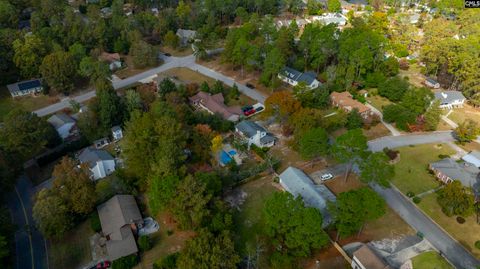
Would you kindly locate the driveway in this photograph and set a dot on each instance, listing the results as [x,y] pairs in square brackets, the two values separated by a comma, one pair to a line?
[405,140]
[30,245]
[337,170]
[169,63]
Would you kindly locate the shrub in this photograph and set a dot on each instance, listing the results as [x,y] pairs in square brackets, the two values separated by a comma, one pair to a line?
[443,156]
[169,232]
[417,199]
[127,262]
[393,89]
[460,220]
[477,244]
[144,243]
[95,222]
[168,262]
[410,194]
[392,154]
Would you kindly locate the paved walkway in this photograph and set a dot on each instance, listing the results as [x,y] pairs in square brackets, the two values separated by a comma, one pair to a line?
[449,121]
[390,127]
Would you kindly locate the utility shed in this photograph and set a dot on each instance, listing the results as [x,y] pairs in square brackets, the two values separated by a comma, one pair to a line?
[296,182]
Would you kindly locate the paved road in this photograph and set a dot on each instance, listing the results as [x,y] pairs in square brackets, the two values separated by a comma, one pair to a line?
[29,243]
[169,63]
[414,139]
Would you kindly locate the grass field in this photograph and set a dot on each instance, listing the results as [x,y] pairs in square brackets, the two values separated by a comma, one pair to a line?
[181,52]
[189,76]
[459,115]
[29,103]
[466,233]
[411,172]
[377,101]
[430,260]
[73,250]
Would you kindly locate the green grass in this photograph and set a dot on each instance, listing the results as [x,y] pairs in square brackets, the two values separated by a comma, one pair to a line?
[411,172]
[459,115]
[73,250]
[377,101]
[430,260]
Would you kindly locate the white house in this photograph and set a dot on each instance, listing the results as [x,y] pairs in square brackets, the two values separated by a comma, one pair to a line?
[117,133]
[112,59]
[450,99]
[473,158]
[63,124]
[294,77]
[100,162]
[329,18]
[26,87]
[255,134]
[365,258]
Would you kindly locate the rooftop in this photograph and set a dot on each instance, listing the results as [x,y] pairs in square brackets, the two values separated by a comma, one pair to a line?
[215,103]
[345,99]
[466,173]
[298,76]
[24,85]
[91,156]
[369,259]
[449,96]
[60,119]
[249,128]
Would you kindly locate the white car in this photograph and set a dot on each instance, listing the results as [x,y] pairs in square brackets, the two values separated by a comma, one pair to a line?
[326,177]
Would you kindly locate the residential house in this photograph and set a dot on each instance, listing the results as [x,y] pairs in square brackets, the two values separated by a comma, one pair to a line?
[365,258]
[296,182]
[215,104]
[254,134]
[106,12]
[101,143]
[100,162]
[186,36]
[329,18]
[294,77]
[112,59]
[345,101]
[120,219]
[64,125]
[286,23]
[26,87]
[473,158]
[117,133]
[450,99]
[430,82]
[448,170]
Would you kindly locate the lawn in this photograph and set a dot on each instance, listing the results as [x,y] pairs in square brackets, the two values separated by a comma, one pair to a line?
[459,115]
[180,52]
[376,131]
[73,250]
[430,260]
[378,101]
[411,172]
[466,233]
[29,103]
[189,76]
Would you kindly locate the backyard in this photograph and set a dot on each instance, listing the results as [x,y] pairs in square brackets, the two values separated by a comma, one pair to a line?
[411,172]
[466,233]
[430,260]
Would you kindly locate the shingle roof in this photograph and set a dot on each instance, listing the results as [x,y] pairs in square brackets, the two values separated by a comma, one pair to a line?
[24,85]
[215,103]
[464,172]
[92,156]
[296,182]
[249,128]
[449,96]
[298,76]
[345,100]
[60,119]
[473,158]
[369,259]
[187,34]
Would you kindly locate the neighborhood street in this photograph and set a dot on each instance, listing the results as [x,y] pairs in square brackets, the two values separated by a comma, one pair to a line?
[29,242]
[405,140]
[169,63]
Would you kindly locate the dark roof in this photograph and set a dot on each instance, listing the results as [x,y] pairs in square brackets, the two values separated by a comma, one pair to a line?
[466,173]
[60,119]
[431,80]
[298,76]
[92,156]
[27,85]
[249,128]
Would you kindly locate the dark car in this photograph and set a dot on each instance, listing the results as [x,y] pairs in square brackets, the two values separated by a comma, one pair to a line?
[103,265]
[246,108]
[258,109]
[167,54]
[249,85]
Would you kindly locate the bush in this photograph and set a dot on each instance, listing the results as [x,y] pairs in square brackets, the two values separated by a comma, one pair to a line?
[391,154]
[168,262]
[393,89]
[169,232]
[443,156]
[95,222]
[460,220]
[127,262]
[477,244]
[417,199]
[410,194]
[144,243]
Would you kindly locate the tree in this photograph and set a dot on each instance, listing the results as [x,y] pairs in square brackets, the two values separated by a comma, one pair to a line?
[8,15]
[350,148]
[183,12]
[417,100]
[467,131]
[375,168]
[209,251]
[281,104]
[126,262]
[353,208]
[161,191]
[133,101]
[296,230]
[334,6]
[354,120]
[109,107]
[393,88]
[28,55]
[272,65]
[143,54]
[190,204]
[51,214]
[433,116]
[144,243]
[171,40]
[399,114]
[74,186]
[93,69]
[456,199]
[166,86]
[59,69]
[313,143]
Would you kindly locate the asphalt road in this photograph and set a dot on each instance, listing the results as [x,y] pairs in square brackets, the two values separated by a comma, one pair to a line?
[30,245]
[169,63]
[405,140]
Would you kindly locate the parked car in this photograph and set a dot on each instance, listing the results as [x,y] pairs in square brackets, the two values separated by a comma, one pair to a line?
[249,112]
[104,265]
[327,176]
[247,108]
[249,85]
[167,54]
[258,109]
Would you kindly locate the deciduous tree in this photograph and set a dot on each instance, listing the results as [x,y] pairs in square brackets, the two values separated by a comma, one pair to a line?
[456,199]
[375,168]
[467,131]
[59,69]
[281,104]
[51,214]
[350,148]
[143,54]
[313,143]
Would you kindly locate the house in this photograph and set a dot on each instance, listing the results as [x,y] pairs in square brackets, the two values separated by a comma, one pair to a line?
[296,182]
[120,219]
[301,23]
[64,125]
[329,18]
[430,82]
[26,87]
[186,36]
[112,59]
[100,162]
[448,170]
[345,101]
[294,77]
[450,99]
[254,134]
[214,104]
[365,258]
[473,158]
[117,133]
[101,143]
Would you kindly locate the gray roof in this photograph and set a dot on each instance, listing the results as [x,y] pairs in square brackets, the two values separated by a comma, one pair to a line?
[473,158]
[296,182]
[116,128]
[116,216]
[187,34]
[92,156]
[60,119]
[249,128]
[267,139]
[431,80]
[298,76]
[466,173]
[447,97]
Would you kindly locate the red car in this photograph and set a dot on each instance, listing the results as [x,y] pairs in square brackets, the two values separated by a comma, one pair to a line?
[249,112]
[104,265]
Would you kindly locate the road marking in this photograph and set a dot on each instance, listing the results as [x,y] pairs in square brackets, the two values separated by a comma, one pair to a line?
[26,220]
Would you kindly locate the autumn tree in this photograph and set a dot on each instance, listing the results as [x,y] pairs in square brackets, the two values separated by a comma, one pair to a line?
[51,214]
[59,69]
[376,168]
[455,199]
[143,54]
[433,116]
[28,55]
[281,104]
[467,131]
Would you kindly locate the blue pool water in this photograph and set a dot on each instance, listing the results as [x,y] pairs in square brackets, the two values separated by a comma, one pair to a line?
[225,158]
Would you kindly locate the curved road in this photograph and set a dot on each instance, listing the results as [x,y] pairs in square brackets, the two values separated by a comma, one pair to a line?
[411,139]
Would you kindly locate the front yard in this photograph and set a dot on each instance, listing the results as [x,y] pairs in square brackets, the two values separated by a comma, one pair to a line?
[411,172]
[29,103]
[459,115]
[377,101]
[430,260]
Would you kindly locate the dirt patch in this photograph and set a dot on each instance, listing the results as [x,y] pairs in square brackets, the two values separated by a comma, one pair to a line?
[376,131]
[328,258]
[339,184]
